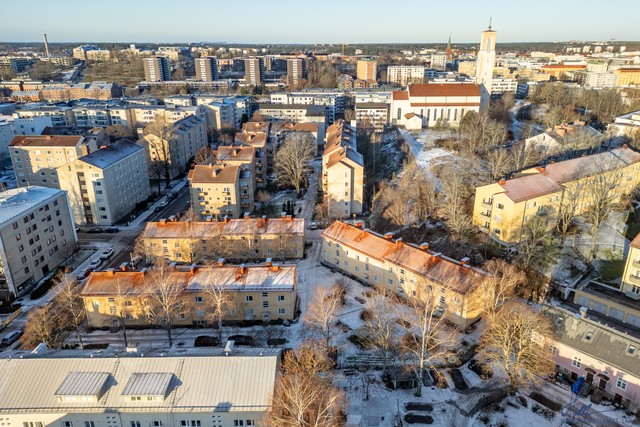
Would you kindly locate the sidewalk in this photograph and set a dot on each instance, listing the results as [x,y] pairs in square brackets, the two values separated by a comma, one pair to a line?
[136,223]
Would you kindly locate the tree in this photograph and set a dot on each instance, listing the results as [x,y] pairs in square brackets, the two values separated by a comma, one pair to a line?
[479,132]
[303,395]
[205,156]
[70,306]
[537,247]
[515,340]
[572,199]
[321,315]
[499,285]
[116,132]
[435,341]
[292,157]
[220,302]
[160,133]
[42,326]
[162,293]
[454,206]
[125,304]
[382,328]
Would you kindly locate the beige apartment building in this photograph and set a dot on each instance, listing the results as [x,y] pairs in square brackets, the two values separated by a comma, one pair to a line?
[404,75]
[206,69]
[237,240]
[218,191]
[264,152]
[188,136]
[501,209]
[36,235]
[260,292]
[367,70]
[254,71]
[36,158]
[151,389]
[106,185]
[403,268]
[245,157]
[342,171]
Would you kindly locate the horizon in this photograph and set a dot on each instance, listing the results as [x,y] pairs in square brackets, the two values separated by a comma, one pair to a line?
[256,23]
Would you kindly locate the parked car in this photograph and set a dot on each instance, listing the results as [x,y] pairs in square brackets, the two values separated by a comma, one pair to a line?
[206,341]
[106,254]
[241,339]
[11,337]
[95,230]
[313,226]
[112,230]
[84,274]
[95,263]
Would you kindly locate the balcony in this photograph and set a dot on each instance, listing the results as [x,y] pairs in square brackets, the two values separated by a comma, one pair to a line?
[486,203]
[634,279]
[486,213]
[636,263]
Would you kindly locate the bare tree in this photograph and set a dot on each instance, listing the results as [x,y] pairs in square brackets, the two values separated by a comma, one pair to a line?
[435,341]
[382,328]
[42,326]
[573,196]
[116,132]
[321,315]
[205,156]
[454,206]
[292,157]
[515,340]
[70,306]
[163,296]
[221,302]
[303,395]
[125,304]
[499,162]
[161,133]
[537,245]
[479,132]
[499,285]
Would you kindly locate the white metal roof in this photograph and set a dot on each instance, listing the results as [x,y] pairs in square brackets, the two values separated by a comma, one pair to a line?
[83,384]
[148,384]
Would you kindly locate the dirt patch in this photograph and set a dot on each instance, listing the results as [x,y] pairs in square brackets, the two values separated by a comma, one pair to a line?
[543,400]
[417,418]
[418,406]
[458,379]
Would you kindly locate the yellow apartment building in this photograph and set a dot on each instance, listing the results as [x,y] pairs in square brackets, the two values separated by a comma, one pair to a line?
[404,268]
[237,240]
[627,77]
[221,190]
[243,156]
[266,292]
[501,209]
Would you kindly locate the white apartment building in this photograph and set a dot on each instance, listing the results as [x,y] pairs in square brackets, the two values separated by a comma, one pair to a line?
[201,387]
[35,159]
[405,74]
[36,235]
[106,185]
[59,116]
[373,113]
[502,86]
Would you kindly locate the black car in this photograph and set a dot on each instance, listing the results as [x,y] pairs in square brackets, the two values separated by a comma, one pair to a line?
[95,231]
[206,341]
[112,230]
[241,339]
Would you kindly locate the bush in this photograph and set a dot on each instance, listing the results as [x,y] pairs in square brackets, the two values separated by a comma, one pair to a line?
[46,285]
[365,315]
[340,289]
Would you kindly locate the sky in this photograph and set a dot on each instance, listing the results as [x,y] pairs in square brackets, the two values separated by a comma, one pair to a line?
[316,21]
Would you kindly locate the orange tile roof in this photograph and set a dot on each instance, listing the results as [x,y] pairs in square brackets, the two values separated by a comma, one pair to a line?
[256,127]
[46,140]
[251,138]
[400,95]
[237,153]
[574,67]
[436,267]
[293,127]
[213,174]
[443,89]
[529,187]
[213,229]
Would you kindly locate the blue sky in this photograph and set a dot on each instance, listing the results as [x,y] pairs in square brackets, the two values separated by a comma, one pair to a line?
[316,21]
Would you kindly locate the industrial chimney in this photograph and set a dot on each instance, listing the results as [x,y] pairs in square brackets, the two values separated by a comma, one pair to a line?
[46,46]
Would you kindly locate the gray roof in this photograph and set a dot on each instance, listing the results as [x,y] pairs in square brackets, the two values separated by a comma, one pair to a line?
[15,202]
[111,154]
[148,384]
[83,384]
[606,344]
[237,382]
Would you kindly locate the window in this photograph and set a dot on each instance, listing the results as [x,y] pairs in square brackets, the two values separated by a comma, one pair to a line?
[157,424]
[621,383]
[390,281]
[135,423]
[588,336]
[89,424]
[280,298]
[198,299]
[500,206]
[67,424]
[238,423]
[442,300]
[200,313]
[635,289]
[577,362]
[249,298]
[265,304]
[631,350]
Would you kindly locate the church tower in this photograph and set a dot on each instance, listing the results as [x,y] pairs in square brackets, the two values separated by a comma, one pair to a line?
[484,65]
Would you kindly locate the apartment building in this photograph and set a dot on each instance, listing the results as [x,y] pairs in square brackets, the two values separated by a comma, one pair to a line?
[91,52]
[188,136]
[434,103]
[626,124]
[403,268]
[562,71]
[206,69]
[94,90]
[342,171]
[245,157]
[36,158]
[221,190]
[254,71]
[627,77]
[64,388]
[106,185]
[280,130]
[265,292]
[605,355]
[296,70]
[157,69]
[501,209]
[237,240]
[60,116]
[36,235]
[367,69]
[372,114]
[404,75]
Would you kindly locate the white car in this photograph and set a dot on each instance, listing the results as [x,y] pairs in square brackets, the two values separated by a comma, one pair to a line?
[95,263]
[106,254]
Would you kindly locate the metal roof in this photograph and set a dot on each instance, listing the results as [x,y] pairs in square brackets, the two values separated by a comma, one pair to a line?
[148,384]
[83,384]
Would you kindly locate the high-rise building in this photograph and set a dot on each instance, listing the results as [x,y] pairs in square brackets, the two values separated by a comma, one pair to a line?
[254,71]
[367,69]
[207,69]
[484,67]
[296,70]
[157,69]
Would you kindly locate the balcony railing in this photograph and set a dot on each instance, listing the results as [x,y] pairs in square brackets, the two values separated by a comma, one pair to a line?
[487,214]
[634,279]
[486,203]
[636,263]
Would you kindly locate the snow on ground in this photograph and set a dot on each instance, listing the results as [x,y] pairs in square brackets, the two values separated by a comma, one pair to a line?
[423,147]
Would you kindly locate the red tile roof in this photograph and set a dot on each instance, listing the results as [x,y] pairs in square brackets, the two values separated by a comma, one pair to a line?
[400,95]
[46,140]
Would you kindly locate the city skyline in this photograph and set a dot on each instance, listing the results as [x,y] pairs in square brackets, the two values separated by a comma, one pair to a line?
[260,24]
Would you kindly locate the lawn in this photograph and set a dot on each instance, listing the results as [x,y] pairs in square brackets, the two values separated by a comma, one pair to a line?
[633,224]
[611,270]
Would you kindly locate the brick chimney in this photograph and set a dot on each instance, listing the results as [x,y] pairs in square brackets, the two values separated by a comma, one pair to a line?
[502,181]
[289,218]
[193,268]
[221,262]
[465,260]
[399,241]
[123,266]
[225,219]
[283,214]
[542,169]
[388,236]
[424,246]
[162,221]
[268,262]
[111,271]
[274,268]
[625,146]
[359,224]
[246,215]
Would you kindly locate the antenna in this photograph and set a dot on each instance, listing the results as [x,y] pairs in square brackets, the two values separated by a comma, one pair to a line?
[490,19]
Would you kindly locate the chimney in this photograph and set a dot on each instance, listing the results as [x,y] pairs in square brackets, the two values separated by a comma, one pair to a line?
[289,218]
[246,215]
[437,254]
[172,266]
[465,260]
[268,262]
[283,214]
[359,224]
[399,241]
[111,271]
[221,262]
[162,221]
[583,312]
[424,246]
[388,236]
[625,146]
[542,169]
[193,268]
[226,219]
[502,182]
[275,268]
[123,266]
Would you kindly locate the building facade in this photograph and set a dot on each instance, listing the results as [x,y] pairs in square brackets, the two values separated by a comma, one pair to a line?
[36,235]
[218,191]
[296,70]
[404,75]
[254,71]
[484,66]
[157,69]
[367,70]
[206,69]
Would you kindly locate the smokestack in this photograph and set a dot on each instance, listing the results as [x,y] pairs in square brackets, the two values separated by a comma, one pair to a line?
[46,46]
